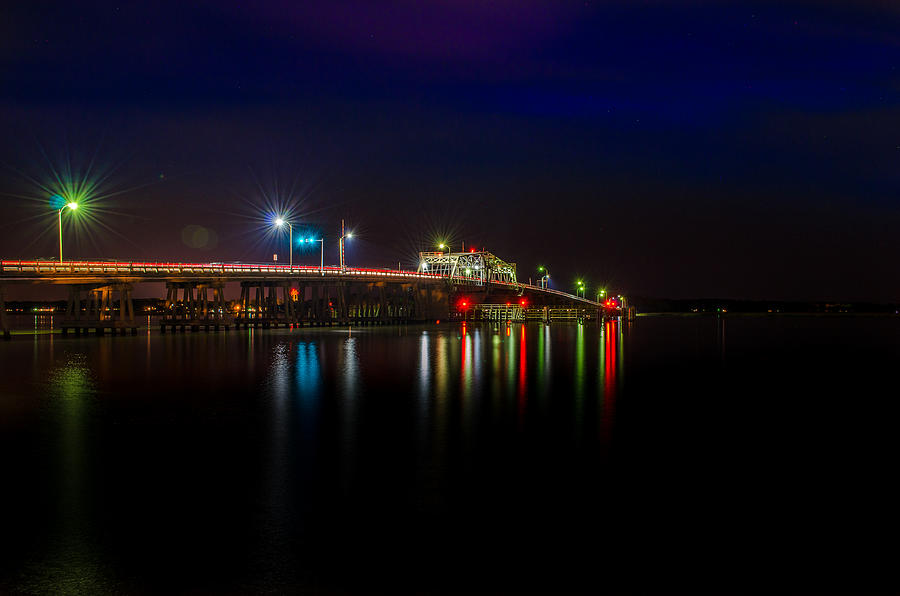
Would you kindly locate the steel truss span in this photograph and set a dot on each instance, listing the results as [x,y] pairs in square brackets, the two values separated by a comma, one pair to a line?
[475,267]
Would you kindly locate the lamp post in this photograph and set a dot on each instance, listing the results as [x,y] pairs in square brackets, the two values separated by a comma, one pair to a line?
[73,206]
[322,254]
[545,278]
[601,293]
[280,223]
[341,244]
[442,246]
[580,288]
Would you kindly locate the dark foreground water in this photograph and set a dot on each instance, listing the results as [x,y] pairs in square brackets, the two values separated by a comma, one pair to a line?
[673,452]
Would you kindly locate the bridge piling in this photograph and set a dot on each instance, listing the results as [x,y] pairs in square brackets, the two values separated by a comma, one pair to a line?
[194,310]
[4,321]
[100,310]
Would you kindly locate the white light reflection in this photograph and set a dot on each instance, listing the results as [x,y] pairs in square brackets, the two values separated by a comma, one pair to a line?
[424,372]
[349,406]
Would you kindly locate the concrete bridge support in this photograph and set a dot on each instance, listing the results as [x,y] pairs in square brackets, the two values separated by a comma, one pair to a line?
[342,306]
[4,320]
[259,304]
[109,307]
[211,309]
[376,303]
[431,302]
[195,308]
[345,302]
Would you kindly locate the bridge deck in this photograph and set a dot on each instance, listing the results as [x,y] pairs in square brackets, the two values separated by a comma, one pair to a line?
[109,272]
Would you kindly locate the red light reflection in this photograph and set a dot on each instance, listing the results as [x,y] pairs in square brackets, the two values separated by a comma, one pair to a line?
[610,334]
[523,372]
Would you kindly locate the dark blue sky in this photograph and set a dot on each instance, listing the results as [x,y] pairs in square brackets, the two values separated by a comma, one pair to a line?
[666,148]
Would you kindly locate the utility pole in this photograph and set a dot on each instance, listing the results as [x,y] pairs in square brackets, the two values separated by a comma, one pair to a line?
[342,246]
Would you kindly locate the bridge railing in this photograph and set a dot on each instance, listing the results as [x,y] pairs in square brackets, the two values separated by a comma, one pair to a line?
[138,268]
[547,290]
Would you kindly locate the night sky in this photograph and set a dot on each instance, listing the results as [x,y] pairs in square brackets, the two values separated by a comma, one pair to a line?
[666,149]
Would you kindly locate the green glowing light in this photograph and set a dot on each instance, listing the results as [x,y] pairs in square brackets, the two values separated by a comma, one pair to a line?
[72,205]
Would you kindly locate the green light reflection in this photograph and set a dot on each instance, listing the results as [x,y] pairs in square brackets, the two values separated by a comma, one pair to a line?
[579,379]
[71,561]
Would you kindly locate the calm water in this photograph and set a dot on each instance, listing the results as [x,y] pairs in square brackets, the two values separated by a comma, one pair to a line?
[672,452]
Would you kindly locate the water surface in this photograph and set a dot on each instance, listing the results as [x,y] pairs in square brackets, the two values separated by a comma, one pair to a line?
[692,452]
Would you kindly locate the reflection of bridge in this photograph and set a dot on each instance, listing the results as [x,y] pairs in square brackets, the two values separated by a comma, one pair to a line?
[100,294]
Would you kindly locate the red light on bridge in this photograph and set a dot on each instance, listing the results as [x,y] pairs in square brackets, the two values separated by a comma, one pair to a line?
[522,303]
[464,303]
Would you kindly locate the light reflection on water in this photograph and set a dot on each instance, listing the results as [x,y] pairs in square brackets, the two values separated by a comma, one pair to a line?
[335,409]
[70,561]
[349,410]
[292,460]
[612,359]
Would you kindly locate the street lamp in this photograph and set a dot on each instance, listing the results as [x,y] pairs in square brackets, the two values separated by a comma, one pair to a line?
[280,223]
[322,257]
[545,278]
[442,246]
[601,293]
[341,243]
[73,206]
[580,288]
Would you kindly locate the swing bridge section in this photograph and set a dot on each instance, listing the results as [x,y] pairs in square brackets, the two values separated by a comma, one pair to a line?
[475,267]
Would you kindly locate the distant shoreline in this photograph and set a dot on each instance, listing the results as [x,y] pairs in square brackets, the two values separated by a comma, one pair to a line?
[766,314]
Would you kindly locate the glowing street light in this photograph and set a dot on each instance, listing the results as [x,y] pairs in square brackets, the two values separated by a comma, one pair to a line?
[580,288]
[601,293]
[442,246]
[545,278]
[322,255]
[280,223]
[73,206]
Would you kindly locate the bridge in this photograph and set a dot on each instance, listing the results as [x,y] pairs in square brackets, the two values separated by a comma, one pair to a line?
[461,286]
